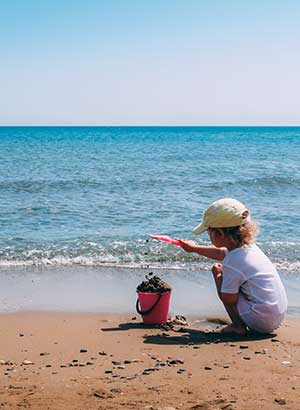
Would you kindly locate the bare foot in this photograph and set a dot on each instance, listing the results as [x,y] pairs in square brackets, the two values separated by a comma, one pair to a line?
[238,330]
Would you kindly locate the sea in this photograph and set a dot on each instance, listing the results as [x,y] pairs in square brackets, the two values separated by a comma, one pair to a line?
[77,205]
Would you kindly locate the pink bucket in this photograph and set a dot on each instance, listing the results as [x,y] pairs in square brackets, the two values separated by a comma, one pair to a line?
[154,307]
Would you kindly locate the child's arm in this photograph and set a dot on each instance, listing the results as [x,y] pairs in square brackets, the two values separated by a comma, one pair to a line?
[208,251]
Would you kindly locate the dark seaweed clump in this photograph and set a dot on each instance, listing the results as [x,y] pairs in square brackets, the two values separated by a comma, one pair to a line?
[153,285]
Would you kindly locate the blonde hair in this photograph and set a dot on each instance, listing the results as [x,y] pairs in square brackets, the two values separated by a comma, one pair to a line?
[240,235]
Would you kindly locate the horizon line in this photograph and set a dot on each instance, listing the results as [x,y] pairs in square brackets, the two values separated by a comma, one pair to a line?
[150,126]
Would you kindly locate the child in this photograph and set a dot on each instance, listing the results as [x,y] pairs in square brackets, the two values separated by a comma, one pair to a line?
[246,281]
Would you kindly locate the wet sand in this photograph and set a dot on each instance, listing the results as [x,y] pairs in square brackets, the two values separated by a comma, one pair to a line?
[109,361]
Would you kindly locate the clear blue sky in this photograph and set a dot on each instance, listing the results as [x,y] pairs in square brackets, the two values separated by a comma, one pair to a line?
[150,62]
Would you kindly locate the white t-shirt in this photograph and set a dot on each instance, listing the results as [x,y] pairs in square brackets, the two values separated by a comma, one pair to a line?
[262,300]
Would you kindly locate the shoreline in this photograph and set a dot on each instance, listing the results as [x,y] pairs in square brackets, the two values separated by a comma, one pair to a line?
[90,289]
[109,361]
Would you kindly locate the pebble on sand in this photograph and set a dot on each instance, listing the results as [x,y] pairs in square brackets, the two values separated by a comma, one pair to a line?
[102,394]
[27,362]
[116,363]
[280,400]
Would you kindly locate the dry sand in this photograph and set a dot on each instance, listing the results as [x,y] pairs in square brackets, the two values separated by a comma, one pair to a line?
[98,361]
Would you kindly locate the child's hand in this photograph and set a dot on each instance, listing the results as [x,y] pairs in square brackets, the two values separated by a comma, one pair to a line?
[188,246]
[217,270]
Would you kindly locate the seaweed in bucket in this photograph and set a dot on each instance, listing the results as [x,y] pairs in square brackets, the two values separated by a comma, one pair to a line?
[153,285]
[156,285]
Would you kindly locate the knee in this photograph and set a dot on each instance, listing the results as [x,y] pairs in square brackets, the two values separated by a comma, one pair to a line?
[217,269]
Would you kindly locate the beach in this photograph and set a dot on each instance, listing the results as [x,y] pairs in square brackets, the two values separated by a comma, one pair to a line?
[52,360]
[75,219]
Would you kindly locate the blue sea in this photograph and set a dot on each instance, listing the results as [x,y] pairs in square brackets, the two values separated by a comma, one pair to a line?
[77,205]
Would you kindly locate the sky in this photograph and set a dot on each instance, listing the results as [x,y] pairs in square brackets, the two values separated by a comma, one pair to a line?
[150,62]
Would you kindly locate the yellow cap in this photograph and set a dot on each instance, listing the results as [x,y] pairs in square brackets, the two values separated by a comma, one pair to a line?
[224,213]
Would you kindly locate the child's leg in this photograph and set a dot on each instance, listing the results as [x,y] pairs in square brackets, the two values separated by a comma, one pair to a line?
[237,325]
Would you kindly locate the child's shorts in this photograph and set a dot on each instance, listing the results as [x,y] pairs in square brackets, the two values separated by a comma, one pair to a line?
[265,323]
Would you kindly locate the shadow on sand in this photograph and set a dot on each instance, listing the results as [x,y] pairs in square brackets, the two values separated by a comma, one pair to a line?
[188,336]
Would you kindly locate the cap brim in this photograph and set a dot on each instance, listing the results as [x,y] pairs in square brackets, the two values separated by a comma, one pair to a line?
[199,229]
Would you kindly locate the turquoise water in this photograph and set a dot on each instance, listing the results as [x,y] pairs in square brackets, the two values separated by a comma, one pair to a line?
[88,196]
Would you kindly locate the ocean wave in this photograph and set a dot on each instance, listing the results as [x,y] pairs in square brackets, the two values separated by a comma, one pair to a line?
[273,181]
[135,254]
[37,186]
[46,186]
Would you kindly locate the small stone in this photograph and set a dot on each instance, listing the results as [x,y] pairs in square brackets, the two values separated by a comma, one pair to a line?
[285,362]
[21,334]
[83,350]
[121,367]
[227,407]
[201,406]
[74,360]
[48,365]
[116,390]
[108,371]
[2,362]
[226,366]
[116,363]
[280,400]
[275,340]
[176,361]
[244,346]
[247,358]
[207,368]
[81,364]
[102,394]
[63,365]
[127,361]
[27,362]
[102,353]
[89,363]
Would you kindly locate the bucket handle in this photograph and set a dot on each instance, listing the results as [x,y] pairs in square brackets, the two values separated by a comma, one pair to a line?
[148,311]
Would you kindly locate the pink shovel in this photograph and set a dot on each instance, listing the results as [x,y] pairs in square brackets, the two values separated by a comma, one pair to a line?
[168,239]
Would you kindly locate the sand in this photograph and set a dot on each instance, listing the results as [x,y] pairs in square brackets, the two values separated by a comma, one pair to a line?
[101,361]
